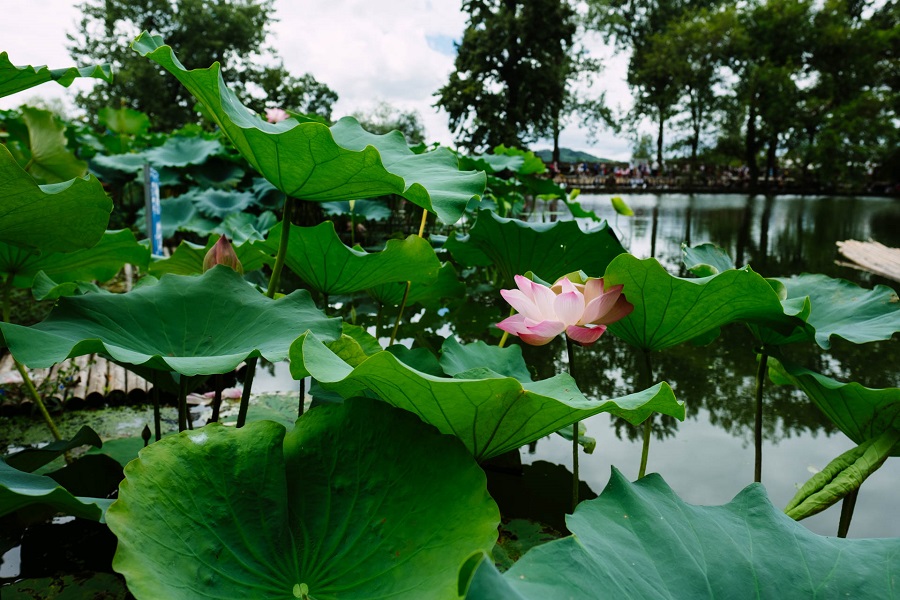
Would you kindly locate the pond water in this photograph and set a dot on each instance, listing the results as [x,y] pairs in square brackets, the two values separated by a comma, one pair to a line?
[709,457]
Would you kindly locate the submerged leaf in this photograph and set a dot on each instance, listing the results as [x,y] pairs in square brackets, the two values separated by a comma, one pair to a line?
[489,412]
[639,541]
[338,508]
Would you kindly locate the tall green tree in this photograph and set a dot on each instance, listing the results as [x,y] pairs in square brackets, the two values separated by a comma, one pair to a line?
[509,86]
[232,32]
[695,50]
[635,25]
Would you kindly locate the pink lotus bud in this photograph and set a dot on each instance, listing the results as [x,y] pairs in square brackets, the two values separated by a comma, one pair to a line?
[222,253]
[274,115]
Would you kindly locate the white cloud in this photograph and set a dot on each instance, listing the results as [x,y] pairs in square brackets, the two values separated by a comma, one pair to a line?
[392,50]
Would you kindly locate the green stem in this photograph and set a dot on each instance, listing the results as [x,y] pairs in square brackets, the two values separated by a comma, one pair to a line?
[274,280]
[182,403]
[758,425]
[408,284]
[282,246]
[32,391]
[847,506]
[217,399]
[26,378]
[157,419]
[505,336]
[646,382]
[570,350]
[302,407]
[245,394]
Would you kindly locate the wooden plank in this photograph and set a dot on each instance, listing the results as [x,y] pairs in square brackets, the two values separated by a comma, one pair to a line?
[78,391]
[116,374]
[871,256]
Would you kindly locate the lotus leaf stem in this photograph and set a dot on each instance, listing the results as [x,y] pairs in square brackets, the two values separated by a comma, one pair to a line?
[217,399]
[570,350]
[26,378]
[408,285]
[847,506]
[182,403]
[157,421]
[758,425]
[274,280]
[646,380]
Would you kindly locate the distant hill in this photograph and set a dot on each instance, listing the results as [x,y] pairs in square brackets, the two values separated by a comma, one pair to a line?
[567,155]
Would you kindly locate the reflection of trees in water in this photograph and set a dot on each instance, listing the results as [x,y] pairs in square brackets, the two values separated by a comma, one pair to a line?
[800,235]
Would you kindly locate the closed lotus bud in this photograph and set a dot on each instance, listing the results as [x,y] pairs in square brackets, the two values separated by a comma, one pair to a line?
[222,253]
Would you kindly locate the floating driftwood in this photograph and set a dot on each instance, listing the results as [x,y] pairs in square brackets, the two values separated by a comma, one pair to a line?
[88,378]
[872,257]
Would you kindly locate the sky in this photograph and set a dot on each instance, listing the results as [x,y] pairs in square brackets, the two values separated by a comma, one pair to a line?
[397,51]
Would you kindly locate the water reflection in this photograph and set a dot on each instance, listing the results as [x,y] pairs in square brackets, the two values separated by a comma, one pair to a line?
[709,458]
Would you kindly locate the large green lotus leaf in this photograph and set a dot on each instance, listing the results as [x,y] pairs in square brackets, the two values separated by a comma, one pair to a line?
[313,162]
[641,541]
[550,250]
[218,204]
[59,217]
[532,163]
[830,307]
[124,120]
[843,309]
[861,413]
[428,294]
[669,310]
[16,79]
[100,262]
[19,489]
[457,358]
[47,158]
[707,259]
[176,151]
[188,258]
[366,210]
[319,257]
[489,412]
[492,163]
[198,325]
[338,508]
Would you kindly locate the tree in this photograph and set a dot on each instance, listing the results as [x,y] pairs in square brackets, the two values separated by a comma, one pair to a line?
[695,49]
[632,25]
[232,32]
[511,69]
[771,52]
[384,118]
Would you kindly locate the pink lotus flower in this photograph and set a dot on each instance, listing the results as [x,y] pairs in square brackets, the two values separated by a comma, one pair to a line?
[274,115]
[582,311]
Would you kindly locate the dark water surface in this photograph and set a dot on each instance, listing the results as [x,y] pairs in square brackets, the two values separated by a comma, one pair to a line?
[708,458]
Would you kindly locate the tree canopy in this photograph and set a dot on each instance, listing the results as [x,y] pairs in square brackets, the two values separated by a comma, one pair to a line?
[509,86]
[232,32]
